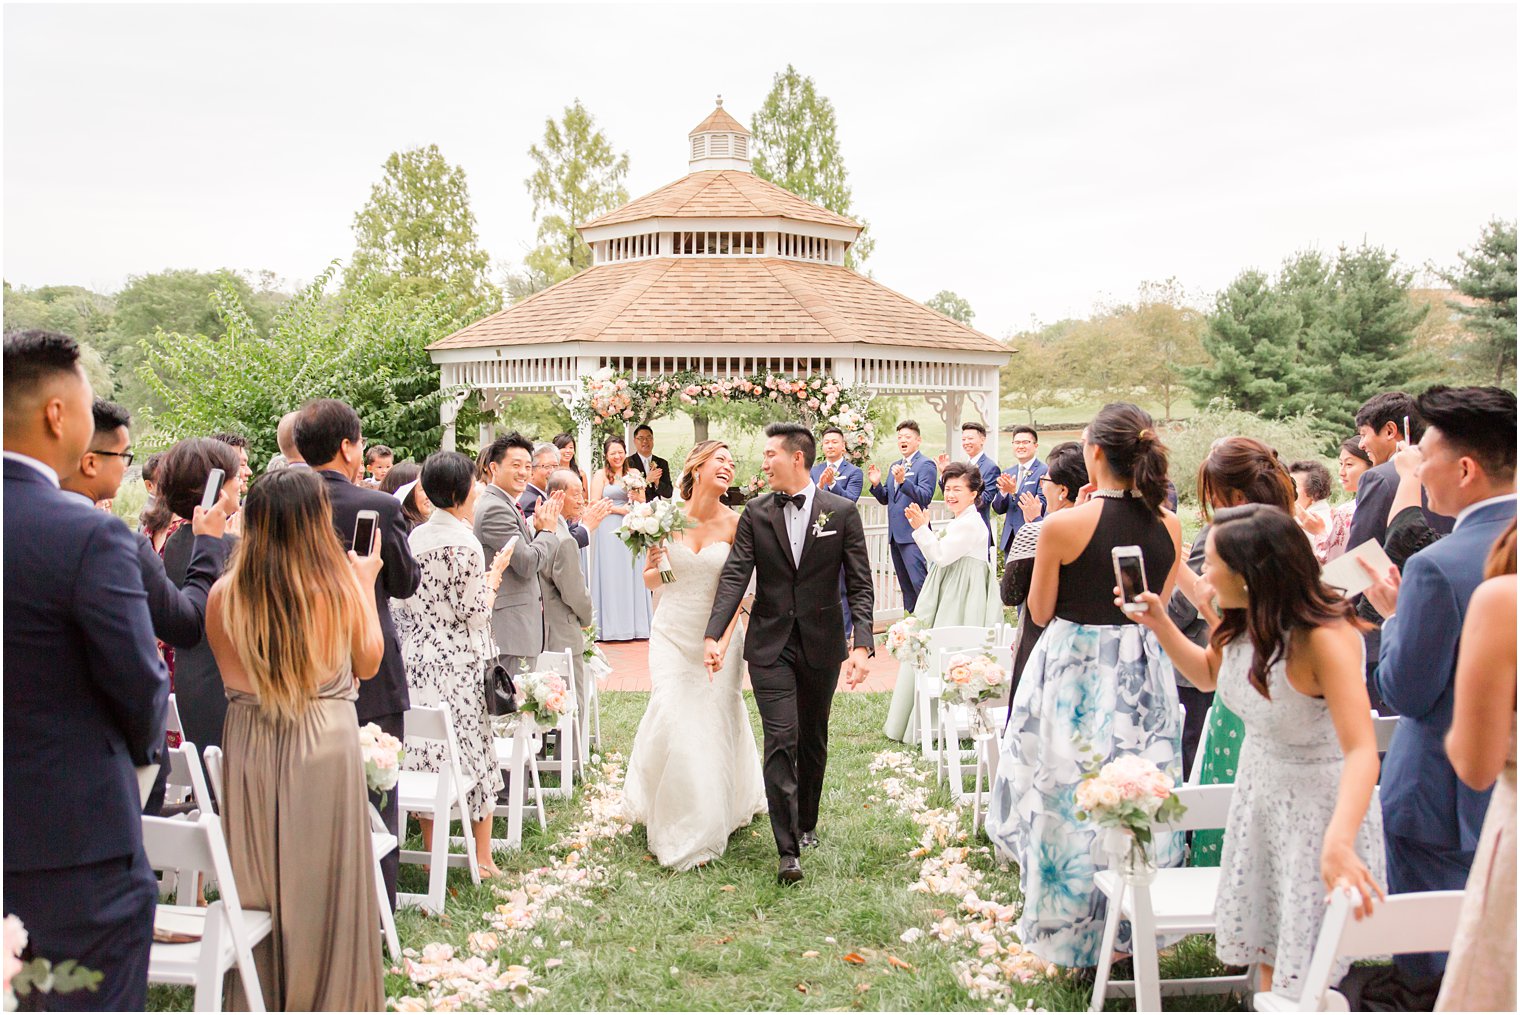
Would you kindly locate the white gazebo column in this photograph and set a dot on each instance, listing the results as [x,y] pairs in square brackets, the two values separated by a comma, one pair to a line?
[949,405]
[448,415]
[986,403]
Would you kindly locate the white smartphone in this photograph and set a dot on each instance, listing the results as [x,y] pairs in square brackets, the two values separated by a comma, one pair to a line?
[366,532]
[1129,569]
[1406,431]
[213,489]
[510,543]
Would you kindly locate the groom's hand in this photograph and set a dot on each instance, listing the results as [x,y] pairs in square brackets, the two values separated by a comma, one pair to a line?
[712,654]
[857,667]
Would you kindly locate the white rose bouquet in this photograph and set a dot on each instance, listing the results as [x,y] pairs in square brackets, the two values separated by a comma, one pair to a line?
[382,759]
[908,641]
[648,524]
[1128,795]
[544,696]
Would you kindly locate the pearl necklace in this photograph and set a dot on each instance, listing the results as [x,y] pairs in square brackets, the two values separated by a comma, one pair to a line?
[1116,494]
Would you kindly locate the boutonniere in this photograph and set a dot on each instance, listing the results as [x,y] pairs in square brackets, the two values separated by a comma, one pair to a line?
[823,519]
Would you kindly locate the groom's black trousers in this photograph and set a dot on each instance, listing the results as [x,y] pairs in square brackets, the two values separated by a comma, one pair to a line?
[794,701]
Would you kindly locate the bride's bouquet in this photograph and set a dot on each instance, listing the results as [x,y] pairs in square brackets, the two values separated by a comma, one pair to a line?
[633,480]
[648,524]
[544,696]
[382,759]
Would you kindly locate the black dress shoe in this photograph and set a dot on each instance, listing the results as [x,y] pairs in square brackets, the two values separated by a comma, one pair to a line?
[790,872]
[808,840]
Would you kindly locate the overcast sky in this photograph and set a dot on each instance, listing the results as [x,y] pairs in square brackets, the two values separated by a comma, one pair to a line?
[1033,159]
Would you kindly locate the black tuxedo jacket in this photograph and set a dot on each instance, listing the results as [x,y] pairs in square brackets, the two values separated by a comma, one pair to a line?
[805,596]
[665,487]
[385,694]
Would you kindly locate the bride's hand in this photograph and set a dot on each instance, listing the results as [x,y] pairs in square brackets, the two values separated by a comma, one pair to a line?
[655,555]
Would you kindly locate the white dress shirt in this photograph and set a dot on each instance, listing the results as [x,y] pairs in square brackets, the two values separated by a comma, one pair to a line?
[48,472]
[797,520]
[965,536]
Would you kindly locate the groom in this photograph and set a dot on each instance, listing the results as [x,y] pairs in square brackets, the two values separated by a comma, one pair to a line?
[797,539]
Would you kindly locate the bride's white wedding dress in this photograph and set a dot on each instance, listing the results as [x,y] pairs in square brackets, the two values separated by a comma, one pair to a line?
[694,775]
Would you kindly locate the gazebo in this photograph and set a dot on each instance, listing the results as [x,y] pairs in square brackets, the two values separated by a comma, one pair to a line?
[723,275]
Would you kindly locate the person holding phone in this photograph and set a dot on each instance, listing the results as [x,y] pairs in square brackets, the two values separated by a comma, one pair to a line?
[1096,686]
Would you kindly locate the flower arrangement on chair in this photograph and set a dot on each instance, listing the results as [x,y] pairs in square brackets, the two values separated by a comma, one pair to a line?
[544,697]
[1127,796]
[382,759]
[971,679]
[908,641]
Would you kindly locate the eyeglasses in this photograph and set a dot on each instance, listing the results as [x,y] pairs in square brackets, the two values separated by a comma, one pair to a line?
[125,456]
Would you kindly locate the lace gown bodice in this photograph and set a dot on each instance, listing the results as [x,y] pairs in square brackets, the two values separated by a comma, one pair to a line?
[683,607]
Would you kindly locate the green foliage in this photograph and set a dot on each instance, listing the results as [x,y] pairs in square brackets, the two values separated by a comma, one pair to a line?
[578,177]
[369,351]
[953,306]
[71,310]
[1487,278]
[1188,443]
[1037,374]
[416,234]
[796,146]
[1252,341]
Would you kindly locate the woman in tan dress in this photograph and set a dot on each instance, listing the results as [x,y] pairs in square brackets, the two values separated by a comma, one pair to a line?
[294,627]
[1480,974]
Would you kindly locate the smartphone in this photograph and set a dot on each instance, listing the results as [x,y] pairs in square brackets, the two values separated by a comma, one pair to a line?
[366,528]
[510,543]
[213,489]
[1129,569]
[1406,431]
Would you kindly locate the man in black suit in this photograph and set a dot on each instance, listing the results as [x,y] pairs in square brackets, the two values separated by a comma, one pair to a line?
[328,438]
[650,465]
[85,692]
[795,542]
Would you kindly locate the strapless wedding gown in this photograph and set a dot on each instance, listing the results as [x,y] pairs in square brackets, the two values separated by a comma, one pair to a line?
[694,774]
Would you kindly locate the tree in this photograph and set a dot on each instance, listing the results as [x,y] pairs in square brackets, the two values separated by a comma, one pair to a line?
[795,145]
[1168,336]
[72,310]
[1252,342]
[416,234]
[1487,277]
[579,177]
[1037,375]
[952,306]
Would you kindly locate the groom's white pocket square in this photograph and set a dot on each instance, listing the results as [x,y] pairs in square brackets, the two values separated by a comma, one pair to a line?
[824,535]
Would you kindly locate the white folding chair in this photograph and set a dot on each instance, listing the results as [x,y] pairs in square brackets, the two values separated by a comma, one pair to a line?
[227,931]
[439,795]
[1195,774]
[213,756]
[571,754]
[185,785]
[518,757]
[1399,925]
[1383,727]
[172,723]
[383,842]
[923,725]
[1180,901]
[955,724]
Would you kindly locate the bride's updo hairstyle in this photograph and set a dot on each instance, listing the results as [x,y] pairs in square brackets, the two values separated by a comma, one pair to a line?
[700,456]
[1128,437]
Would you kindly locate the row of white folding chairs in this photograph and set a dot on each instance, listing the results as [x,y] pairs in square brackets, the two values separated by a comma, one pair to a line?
[1383,728]
[931,722]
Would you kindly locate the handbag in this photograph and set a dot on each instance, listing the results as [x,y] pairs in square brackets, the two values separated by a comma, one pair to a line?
[501,692]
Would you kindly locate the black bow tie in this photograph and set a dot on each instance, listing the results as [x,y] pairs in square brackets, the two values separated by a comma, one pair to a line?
[795,499]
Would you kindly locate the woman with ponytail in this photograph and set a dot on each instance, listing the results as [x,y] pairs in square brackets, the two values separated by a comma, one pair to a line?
[1096,687]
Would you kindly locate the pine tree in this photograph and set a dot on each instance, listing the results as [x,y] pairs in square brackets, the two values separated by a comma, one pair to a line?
[1487,275]
[1252,338]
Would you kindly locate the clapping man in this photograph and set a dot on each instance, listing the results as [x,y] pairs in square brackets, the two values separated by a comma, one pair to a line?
[567,600]
[545,461]
[910,480]
[973,441]
[1018,488]
[1430,818]
[650,465]
[327,434]
[85,692]
[838,475]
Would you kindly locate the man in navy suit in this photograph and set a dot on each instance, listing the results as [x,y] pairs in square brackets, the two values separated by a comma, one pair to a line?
[973,441]
[85,692]
[838,475]
[910,480]
[1431,820]
[1020,480]
[328,438]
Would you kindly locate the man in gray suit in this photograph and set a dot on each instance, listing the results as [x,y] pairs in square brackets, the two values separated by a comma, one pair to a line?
[517,623]
[567,603]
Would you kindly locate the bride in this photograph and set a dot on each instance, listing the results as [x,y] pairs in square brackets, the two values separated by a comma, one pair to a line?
[694,775]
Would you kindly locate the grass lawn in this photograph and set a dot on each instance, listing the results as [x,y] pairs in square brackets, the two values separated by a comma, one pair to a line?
[726,936]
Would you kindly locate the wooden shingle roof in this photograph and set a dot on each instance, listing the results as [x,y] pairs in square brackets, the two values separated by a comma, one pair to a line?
[720,299]
[721,193]
[719,120]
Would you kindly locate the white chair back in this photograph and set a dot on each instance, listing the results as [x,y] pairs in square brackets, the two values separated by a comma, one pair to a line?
[185,773]
[956,638]
[571,741]
[562,663]
[429,723]
[436,795]
[1383,727]
[213,756]
[172,722]
[1207,808]
[1195,776]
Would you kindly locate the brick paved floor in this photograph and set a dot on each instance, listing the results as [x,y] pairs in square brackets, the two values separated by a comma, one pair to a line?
[630,668]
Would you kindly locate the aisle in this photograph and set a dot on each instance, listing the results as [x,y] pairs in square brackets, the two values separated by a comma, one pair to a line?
[630,669]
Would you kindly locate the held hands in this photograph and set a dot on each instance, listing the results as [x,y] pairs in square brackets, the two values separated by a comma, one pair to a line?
[366,569]
[216,521]
[712,656]
[1383,594]
[1311,523]
[654,556]
[1340,867]
[1153,616]
[916,516]
[874,475]
[546,515]
[1407,460]
[637,496]
[855,667]
[1031,506]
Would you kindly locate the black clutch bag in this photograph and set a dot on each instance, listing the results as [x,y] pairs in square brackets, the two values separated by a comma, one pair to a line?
[501,692]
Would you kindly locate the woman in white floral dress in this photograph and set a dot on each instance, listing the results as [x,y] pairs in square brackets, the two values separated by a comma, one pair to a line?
[445,630]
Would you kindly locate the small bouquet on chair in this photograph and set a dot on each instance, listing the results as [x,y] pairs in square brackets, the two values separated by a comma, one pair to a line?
[382,759]
[908,641]
[971,679]
[544,697]
[650,523]
[595,659]
[1126,797]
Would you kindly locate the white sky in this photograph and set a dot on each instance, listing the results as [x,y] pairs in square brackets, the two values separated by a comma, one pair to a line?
[1034,159]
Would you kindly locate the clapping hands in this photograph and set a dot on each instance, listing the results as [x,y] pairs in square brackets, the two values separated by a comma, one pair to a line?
[874,474]
[546,515]
[827,477]
[916,516]
[1031,506]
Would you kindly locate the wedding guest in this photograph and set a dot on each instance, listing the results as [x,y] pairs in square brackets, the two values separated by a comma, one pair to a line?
[378,462]
[623,605]
[1096,679]
[1238,470]
[651,466]
[581,530]
[285,437]
[838,475]
[973,440]
[567,599]
[910,480]
[566,444]
[155,516]
[1468,471]
[518,621]
[545,461]
[295,627]
[84,692]
[1480,975]
[1335,538]
[328,437]
[402,483]
[961,588]
[238,443]
[445,630]
[1380,427]
[1019,485]
[1061,487]
[1311,505]
[1286,657]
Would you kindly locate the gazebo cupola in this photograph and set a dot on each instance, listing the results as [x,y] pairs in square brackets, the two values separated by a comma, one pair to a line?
[719,142]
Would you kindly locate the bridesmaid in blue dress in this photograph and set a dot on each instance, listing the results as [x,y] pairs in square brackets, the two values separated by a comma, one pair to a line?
[622,603]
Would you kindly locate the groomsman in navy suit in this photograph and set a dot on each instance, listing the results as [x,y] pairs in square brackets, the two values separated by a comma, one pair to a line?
[1020,480]
[973,440]
[909,480]
[837,474]
[85,691]
[1431,820]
